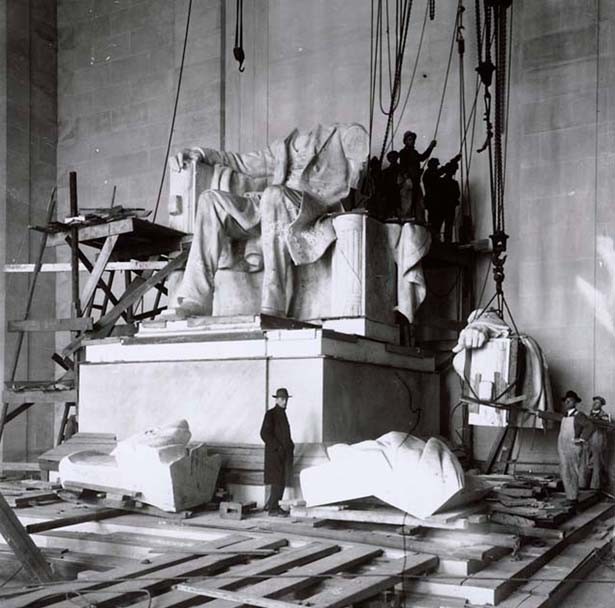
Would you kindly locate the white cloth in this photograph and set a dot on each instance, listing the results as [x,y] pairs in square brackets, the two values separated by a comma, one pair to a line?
[485,326]
[409,244]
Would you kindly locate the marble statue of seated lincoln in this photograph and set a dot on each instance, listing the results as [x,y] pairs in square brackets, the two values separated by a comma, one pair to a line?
[270,213]
[305,176]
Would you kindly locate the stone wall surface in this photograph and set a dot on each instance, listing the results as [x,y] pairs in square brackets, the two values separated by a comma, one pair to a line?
[28,140]
[118,68]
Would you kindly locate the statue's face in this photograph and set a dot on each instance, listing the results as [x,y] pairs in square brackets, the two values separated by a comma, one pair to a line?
[597,404]
[569,403]
[281,401]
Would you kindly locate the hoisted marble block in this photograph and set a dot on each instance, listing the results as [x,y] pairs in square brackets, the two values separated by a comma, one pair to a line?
[408,473]
[158,465]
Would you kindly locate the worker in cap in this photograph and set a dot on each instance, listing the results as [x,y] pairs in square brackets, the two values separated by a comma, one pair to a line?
[575,431]
[598,446]
[279,450]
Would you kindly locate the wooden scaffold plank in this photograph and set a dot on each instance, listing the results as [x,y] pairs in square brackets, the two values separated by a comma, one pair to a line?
[240,576]
[48,595]
[297,578]
[164,579]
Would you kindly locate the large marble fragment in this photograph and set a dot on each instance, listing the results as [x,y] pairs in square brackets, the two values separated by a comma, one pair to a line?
[496,364]
[416,476]
[159,465]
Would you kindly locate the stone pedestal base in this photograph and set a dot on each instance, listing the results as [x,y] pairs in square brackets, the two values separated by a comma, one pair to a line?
[220,378]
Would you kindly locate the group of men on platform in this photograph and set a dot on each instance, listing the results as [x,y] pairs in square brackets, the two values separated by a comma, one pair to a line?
[399,193]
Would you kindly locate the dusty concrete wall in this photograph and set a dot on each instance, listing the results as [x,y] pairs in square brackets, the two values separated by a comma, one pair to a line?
[30,144]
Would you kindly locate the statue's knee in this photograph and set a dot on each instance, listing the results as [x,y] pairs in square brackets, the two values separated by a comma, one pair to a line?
[271,198]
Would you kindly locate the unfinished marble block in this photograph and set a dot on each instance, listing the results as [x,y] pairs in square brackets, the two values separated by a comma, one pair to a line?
[408,473]
[158,465]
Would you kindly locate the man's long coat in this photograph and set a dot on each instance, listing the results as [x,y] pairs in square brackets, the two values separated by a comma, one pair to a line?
[279,447]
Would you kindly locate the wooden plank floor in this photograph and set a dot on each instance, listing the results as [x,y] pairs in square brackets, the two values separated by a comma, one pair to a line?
[276,563]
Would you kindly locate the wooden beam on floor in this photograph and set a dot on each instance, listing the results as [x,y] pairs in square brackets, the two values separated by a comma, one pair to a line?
[26,552]
[237,597]
[238,576]
[62,522]
[305,576]
[121,592]
[499,580]
[46,596]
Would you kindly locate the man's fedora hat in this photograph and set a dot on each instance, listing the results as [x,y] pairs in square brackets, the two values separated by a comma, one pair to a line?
[281,392]
[571,395]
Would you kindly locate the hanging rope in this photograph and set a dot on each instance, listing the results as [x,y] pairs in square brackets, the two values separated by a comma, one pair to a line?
[402,16]
[460,10]
[238,51]
[416,63]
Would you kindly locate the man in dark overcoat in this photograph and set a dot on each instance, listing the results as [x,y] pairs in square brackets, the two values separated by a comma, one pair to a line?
[279,448]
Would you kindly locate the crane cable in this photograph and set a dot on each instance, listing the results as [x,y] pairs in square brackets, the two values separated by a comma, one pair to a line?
[496,14]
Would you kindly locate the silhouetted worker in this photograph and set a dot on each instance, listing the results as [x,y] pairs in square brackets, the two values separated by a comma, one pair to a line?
[390,185]
[279,450]
[441,196]
[450,194]
[410,160]
[433,192]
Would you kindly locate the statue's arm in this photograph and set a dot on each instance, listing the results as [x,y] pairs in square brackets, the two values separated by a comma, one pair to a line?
[253,164]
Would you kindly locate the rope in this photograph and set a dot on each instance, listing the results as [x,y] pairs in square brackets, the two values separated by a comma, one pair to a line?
[448,68]
[175,106]
[416,62]
[406,9]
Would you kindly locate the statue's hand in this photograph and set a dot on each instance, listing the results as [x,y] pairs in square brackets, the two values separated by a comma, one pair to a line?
[433,143]
[191,154]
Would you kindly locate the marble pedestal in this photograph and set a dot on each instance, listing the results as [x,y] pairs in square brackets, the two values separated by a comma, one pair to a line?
[219,374]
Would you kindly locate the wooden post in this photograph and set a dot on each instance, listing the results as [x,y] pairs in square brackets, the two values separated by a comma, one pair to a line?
[23,546]
[37,268]
[74,245]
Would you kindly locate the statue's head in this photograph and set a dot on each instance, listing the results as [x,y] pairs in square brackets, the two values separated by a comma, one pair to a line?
[433,163]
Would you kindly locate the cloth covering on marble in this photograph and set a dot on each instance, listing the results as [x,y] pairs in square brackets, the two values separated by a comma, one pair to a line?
[409,244]
[536,383]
